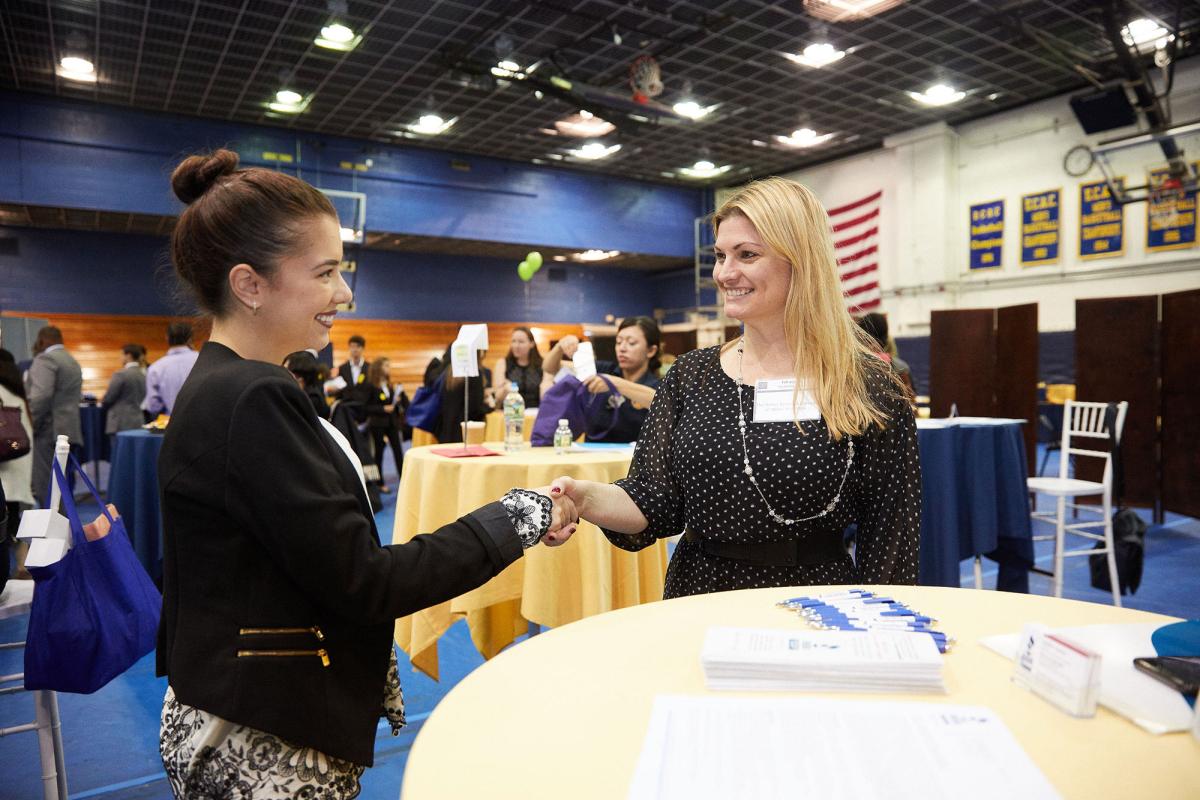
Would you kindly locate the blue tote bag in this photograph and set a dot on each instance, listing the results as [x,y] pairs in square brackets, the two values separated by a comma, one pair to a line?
[425,410]
[94,613]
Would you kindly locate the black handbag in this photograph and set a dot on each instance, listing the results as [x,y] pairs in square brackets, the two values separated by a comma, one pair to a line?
[1129,530]
[14,442]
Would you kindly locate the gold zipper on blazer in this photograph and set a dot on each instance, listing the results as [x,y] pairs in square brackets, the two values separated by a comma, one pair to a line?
[315,630]
[321,653]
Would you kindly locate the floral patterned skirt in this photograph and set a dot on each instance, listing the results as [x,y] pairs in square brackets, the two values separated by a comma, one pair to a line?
[208,758]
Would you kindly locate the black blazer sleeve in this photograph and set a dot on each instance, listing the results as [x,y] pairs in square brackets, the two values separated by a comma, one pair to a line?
[315,528]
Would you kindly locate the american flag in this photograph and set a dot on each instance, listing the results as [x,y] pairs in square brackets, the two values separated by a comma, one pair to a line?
[856,246]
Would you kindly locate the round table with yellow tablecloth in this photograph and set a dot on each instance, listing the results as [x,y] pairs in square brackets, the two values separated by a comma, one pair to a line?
[549,586]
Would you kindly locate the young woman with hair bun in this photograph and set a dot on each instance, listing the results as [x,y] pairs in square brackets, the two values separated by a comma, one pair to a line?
[278,598]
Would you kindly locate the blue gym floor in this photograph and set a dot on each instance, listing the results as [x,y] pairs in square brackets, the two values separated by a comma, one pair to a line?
[111,737]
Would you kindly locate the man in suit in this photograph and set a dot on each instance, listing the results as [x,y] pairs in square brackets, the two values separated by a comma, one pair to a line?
[126,391]
[354,371]
[165,377]
[55,386]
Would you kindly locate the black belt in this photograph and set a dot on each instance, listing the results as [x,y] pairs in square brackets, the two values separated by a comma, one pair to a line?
[809,551]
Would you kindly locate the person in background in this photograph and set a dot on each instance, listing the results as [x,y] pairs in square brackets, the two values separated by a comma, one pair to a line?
[308,373]
[54,389]
[522,364]
[876,326]
[763,451]
[126,391]
[16,473]
[453,397]
[279,600]
[634,375]
[165,377]
[382,402]
[354,370]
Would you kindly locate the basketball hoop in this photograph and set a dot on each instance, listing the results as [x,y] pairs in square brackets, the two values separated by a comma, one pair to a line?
[645,78]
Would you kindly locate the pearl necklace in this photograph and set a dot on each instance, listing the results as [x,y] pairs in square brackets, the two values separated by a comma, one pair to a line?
[775,515]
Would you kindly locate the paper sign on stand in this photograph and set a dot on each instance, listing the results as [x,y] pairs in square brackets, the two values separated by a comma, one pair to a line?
[48,532]
[584,361]
[464,361]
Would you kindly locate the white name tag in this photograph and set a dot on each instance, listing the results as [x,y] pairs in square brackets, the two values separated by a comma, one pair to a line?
[773,402]
[1058,670]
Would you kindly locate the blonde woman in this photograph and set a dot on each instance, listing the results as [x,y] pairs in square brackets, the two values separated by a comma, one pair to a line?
[764,450]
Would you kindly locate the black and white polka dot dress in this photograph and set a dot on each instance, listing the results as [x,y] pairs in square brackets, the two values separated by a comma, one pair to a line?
[688,473]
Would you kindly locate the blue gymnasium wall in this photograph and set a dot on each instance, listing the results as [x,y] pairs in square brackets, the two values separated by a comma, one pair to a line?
[82,155]
[107,273]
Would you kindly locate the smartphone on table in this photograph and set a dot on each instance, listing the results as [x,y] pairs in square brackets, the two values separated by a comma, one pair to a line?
[1181,673]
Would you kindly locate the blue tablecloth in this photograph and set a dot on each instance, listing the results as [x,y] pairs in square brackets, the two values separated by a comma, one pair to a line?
[95,442]
[974,502]
[133,489]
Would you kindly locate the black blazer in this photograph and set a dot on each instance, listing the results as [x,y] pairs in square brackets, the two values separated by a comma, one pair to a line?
[278,600]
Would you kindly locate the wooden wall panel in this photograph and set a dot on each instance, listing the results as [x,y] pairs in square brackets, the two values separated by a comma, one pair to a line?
[1017,371]
[962,367]
[1180,409]
[1116,358]
[96,341]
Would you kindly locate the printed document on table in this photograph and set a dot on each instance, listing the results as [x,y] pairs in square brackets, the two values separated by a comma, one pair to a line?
[717,748]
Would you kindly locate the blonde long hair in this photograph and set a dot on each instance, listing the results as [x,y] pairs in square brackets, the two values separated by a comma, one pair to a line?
[831,354]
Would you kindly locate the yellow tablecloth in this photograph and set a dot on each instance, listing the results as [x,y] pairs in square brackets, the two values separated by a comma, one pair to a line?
[549,586]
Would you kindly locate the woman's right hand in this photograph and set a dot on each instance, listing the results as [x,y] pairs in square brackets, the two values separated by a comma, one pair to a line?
[569,344]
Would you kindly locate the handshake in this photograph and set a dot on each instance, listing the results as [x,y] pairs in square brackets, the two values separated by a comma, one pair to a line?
[567,498]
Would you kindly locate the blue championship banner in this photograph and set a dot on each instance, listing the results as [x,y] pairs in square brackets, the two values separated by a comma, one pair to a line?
[987,234]
[1101,222]
[1170,223]
[1040,231]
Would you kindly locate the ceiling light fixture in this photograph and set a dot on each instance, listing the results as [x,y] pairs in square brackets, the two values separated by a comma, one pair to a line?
[76,69]
[817,55]
[846,10]
[584,125]
[289,102]
[596,255]
[431,125]
[593,151]
[336,36]
[1144,31]
[804,137]
[940,94]
[692,110]
[704,169]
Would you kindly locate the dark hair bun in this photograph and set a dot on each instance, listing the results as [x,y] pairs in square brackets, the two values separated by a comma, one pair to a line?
[197,174]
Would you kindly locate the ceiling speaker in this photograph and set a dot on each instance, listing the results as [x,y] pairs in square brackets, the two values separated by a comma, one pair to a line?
[1104,110]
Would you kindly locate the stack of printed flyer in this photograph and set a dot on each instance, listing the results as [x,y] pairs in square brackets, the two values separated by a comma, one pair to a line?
[752,659]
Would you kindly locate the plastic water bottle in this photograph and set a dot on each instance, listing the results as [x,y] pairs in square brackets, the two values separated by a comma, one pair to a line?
[514,419]
[563,438]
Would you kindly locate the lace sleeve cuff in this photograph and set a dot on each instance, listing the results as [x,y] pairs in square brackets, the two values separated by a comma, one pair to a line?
[530,514]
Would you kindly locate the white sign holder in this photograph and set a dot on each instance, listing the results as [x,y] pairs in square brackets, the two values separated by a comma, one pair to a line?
[464,363]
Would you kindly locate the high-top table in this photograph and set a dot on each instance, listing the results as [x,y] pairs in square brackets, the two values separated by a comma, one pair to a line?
[564,714]
[549,586]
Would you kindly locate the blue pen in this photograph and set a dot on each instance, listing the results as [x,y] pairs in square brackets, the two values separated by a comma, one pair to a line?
[943,642]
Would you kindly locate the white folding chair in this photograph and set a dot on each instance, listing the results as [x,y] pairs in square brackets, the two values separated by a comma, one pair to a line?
[17,599]
[1082,421]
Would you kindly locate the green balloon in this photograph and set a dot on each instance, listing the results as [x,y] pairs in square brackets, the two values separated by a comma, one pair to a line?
[525,270]
[534,260]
